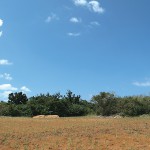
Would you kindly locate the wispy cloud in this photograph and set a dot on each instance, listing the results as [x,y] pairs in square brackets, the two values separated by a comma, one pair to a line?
[5,62]
[1,22]
[95,23]
[7,87]
[1,33]
[67,7]
[75,20]
[6,76]
[74,34]
[51,17]
[25,89]
[92,5]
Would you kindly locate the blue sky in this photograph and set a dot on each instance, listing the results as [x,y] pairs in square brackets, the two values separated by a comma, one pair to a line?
[86,46]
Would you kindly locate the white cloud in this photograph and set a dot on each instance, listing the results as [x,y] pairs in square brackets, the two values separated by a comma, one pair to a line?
[25,89]
[95,23]
[51,17]
[95,7]
[92,5]
[5,62]
[7,87]
[1,22]
[75,20]
[142,84]
[74,34]
[6,76]
[80,2]
[1,33]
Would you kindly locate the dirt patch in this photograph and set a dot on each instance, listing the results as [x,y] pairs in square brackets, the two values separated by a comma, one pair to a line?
[109,117]
[46,116]
[51,116]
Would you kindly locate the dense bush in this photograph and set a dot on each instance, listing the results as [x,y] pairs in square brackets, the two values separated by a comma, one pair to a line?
[4,109]
[104,103]
[135,106]
[67,105]
[108,104]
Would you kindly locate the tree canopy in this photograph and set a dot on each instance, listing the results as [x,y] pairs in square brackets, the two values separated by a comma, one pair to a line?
[17,98]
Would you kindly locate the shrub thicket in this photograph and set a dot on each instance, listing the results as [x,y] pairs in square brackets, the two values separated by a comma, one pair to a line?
[104,103]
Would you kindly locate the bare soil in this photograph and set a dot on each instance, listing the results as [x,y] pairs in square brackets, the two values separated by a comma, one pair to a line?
[83,133]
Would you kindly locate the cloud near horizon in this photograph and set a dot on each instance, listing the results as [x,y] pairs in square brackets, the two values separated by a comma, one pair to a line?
[92,5]
[142,84]
[6,89]
[25,89]
[4,95]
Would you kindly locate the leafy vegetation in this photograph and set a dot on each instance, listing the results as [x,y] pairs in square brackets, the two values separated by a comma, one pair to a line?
[67,105]
[108,104]
[104,104]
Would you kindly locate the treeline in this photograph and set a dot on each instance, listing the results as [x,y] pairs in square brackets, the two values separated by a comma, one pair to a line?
[104,104]
[44,104]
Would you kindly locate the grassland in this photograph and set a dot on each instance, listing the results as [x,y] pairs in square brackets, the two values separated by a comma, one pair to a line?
[85,133]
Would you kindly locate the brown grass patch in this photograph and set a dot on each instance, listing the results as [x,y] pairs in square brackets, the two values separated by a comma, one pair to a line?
[75,134]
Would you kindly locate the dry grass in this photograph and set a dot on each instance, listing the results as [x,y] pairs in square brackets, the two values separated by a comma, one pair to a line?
[75,134]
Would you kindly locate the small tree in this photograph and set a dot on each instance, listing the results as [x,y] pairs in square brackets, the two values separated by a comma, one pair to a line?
[105,103]
[17,98]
